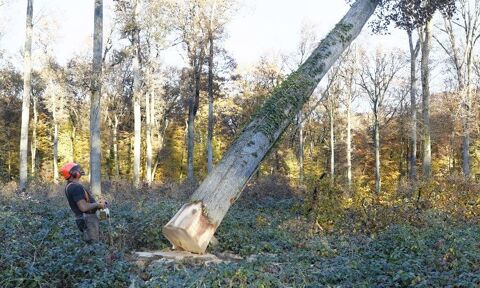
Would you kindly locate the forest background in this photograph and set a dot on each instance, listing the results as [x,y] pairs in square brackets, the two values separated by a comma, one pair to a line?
[390,136]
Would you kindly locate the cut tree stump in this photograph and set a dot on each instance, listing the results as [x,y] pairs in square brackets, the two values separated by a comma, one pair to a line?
[195,223]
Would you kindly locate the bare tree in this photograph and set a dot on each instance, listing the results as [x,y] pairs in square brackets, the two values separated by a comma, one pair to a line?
[54,100]
[27,91]
[461,56]
[426,39]
[217,14]
[348,74]
[410,15]
[375,80]
[414,49]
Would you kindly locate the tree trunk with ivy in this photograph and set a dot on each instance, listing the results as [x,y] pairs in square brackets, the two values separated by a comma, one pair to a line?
[195,223]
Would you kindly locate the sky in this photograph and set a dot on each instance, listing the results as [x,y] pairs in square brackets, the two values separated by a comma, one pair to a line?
[260,27]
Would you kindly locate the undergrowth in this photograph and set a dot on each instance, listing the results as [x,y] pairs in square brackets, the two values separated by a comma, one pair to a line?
[285,241]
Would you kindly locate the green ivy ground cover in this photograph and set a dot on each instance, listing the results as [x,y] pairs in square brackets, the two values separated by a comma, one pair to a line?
[40,248]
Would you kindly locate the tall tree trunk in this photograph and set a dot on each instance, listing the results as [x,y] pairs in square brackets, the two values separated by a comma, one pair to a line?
[9,165]
[55,148]
[376,136]
[196,65]
[190,141]
[425,71]
[467,105]
[136,104]
[413,107]
[95,141]
[349,142]
[27,91]
[300,147]
[73,135]
[210,105]
[33,148]
[148,136]
[332,139]
[160,140]
[116,166]
[193,226]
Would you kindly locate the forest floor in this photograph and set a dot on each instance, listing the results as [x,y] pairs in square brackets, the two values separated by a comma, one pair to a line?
[278,245]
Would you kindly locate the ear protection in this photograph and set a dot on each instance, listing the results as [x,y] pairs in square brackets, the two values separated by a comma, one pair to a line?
[74,172]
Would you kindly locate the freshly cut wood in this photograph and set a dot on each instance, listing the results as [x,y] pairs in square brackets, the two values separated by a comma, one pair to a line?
[189,229]
[194,225]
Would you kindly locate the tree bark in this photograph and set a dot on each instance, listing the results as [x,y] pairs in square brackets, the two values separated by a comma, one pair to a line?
[136,104]
[425,71]
[413,107]
[72,142]
[55,148]
[376,138]
[331,112]
[468,102]
[193,226]
[27,91]
[116,167]
[95,141]
[210,105]
[196,64]
[349,142]
[33,148]
[148,136]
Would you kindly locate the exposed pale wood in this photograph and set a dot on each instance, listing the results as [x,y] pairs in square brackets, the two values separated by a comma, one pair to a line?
[189,229]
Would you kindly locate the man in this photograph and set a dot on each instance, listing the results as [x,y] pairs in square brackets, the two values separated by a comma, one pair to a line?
[81,202]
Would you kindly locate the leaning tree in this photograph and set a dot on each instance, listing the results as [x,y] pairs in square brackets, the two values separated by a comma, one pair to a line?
[195,223]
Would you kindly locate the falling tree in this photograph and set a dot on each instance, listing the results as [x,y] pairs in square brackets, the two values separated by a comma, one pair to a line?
[195,223]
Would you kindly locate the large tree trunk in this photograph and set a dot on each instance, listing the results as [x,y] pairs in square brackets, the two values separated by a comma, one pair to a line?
[193,226]
[331,111]
[136,105]
[210,106]
[55,148]
[467,105]
[116,166]
[95,141]
[192,111]
[376,138]
[33,148]
[148,136]
[160,140]
[27,91]
[413,107]
[190,141]
[349,142]
[425,71]
[73,135]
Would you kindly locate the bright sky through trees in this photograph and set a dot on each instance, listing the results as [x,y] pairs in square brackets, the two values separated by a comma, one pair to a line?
[260,27]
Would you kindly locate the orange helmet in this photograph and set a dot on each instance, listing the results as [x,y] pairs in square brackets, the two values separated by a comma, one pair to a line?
[71,169]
